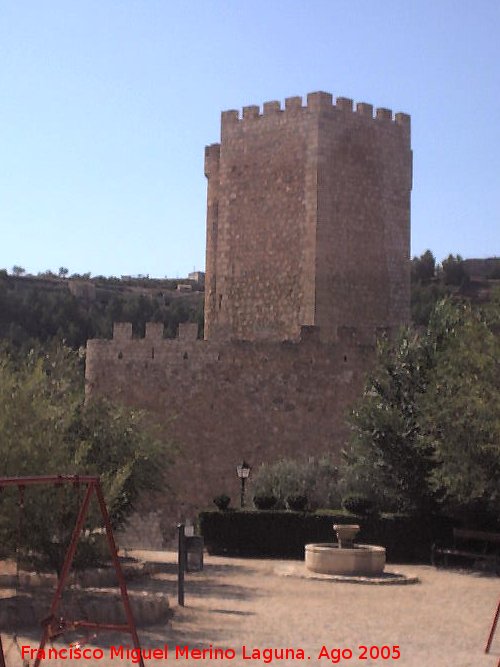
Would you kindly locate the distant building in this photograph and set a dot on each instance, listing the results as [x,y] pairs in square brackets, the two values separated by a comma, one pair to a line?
[482,268]
[198,277]
[82,289]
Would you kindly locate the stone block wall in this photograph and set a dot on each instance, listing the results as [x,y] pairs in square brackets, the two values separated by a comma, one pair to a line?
[261,219]
[308,220]
[363,226]
[222,402]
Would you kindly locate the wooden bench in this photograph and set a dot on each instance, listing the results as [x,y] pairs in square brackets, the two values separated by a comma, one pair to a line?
[475,545]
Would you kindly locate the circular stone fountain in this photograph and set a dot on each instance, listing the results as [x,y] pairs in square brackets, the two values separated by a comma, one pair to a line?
[345,558]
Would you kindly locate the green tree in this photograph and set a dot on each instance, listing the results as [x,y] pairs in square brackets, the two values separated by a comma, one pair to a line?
[387,458]
[461,412]
[46,428]
[454,272]
[427,430]
[424,297]
[423,268]
[426,289]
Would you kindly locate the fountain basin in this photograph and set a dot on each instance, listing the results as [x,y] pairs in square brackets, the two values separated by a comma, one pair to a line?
[346,532]
[329,558]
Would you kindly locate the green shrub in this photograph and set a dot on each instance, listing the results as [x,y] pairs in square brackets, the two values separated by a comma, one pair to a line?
[296,503]
[316,479]
[264,502]
[358,504]
[222,501]
[278,533]
[283,534]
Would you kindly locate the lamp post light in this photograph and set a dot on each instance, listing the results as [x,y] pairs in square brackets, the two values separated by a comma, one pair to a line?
[243,472]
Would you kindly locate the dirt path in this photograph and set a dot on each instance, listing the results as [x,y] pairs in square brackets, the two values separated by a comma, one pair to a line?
[441,622]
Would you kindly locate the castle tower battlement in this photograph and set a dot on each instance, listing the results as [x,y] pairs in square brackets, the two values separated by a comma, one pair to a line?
[308,220]
[314,102]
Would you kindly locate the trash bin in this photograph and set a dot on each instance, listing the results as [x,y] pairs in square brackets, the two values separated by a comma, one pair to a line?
[194,553]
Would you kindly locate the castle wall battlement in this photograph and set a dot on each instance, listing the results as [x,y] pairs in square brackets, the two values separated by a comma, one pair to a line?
[188,332]
[188,353]
[224,401]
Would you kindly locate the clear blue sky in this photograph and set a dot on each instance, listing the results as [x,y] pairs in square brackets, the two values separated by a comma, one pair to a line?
[106,106]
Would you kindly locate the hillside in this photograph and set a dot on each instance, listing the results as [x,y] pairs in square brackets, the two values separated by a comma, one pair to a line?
[473,280]
[38,309]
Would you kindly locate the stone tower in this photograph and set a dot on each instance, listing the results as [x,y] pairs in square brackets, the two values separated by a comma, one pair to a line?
[308,220]
[308,233]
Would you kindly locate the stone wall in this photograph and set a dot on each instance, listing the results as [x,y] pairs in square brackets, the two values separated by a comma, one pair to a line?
[363,226]
[318,195]
[145,530]
[222,402]
[261,210]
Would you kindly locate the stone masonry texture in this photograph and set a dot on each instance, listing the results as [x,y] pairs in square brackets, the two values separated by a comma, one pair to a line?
[222,402]
[308,220]
[308,233]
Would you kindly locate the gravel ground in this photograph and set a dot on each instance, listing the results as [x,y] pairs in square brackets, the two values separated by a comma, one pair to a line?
[443,621]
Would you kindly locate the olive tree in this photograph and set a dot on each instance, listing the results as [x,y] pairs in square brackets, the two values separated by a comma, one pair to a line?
[46,428]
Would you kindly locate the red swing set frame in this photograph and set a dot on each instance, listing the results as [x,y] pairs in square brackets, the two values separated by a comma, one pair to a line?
[53,625]
[492,631]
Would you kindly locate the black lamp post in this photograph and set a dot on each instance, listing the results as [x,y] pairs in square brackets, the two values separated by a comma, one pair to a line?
[243,472]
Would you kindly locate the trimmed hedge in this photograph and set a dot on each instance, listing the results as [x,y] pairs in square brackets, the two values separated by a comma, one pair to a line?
[283,534]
